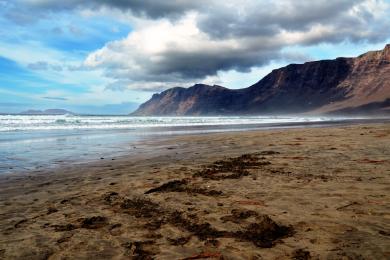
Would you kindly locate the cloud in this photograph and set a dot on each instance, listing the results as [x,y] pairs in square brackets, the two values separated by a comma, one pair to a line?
[43,65]
[177,52]
[40,65]
[56,98]
[146,8]
[176,42]
[269,17]
[229,36]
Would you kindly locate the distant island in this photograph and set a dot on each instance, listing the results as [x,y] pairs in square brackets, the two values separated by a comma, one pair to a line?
[348,86]
[46,112]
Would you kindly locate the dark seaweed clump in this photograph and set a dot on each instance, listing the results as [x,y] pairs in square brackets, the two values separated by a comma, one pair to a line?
[140,250]
[141,208]
[263,233]
[111,197]
[232,168]
[66,227]
[301,254]
[183,186]
[94,222]
[172,186]
[238,215]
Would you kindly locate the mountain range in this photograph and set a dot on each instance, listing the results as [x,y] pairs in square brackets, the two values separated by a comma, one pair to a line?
[53,111]
[359,85]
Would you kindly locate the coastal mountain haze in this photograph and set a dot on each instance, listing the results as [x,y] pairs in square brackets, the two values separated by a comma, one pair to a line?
[358,86]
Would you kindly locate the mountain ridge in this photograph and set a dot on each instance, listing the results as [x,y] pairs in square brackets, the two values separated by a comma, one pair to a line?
[324,86]
[52,111]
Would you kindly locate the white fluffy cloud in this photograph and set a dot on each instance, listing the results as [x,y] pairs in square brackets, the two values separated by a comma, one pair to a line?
[168,52]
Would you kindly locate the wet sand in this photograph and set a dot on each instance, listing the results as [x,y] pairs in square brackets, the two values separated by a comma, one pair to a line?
[314,193]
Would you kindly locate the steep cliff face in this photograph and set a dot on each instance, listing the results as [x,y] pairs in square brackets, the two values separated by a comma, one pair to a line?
[328,86]
[298,88]
[367,83]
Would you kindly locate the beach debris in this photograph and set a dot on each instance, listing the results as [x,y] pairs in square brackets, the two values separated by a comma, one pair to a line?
[264,232]
[348,205]
[267,153]
[115,229]
[180,241]
[175,185]
[205,255]
[117,225]
[94,222]
[384,233]
[141,207]
[183,186]
[301,254]
[20,222]
[250,202]
[231,168]
[111,197]
[65,238]
[51,210]
[371,161]
[155,224]
[44,184]
[65,227]
[212,243]
[202,230]
[140,250]
[237,215]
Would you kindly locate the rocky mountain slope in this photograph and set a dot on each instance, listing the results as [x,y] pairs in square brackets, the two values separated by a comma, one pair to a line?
[358,85]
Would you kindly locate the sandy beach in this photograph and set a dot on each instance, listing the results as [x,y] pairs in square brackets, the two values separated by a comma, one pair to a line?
[309,193]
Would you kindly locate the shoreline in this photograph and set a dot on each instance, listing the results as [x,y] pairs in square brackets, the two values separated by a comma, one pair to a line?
[72,145]
[314,191]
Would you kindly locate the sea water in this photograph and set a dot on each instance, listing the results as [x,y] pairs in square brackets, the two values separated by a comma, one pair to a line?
[10,123]
[33,142]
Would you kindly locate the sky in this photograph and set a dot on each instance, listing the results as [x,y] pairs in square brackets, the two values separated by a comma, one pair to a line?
[108,56]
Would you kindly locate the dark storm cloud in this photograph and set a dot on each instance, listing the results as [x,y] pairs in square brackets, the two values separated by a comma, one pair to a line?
[351,20]
[269,18]
[149,8]
[27,12]
[199,65]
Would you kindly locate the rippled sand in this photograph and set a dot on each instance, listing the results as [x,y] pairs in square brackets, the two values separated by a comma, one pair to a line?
[320,193]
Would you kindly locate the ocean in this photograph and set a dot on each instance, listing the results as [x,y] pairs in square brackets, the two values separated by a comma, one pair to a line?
[36,142]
